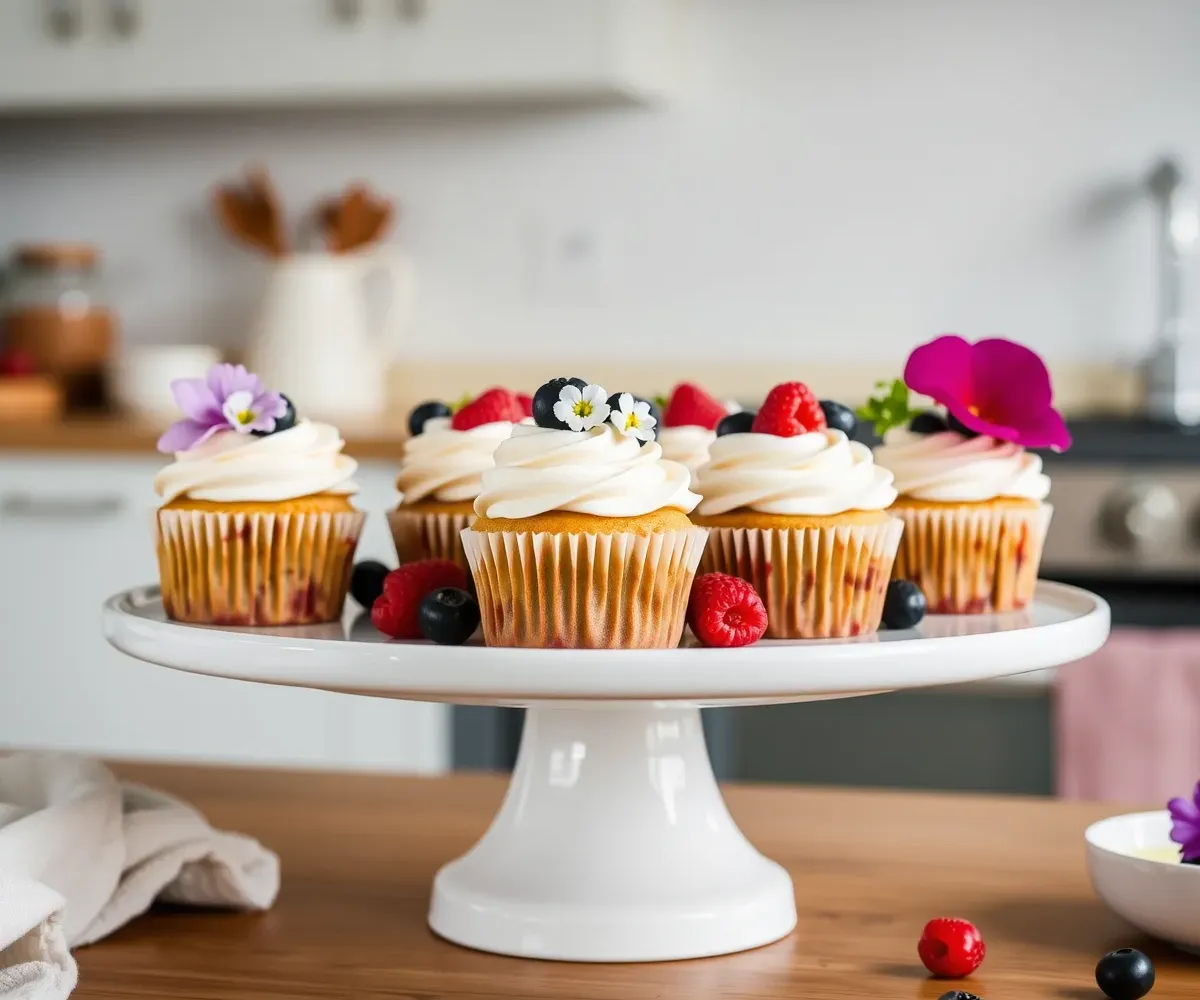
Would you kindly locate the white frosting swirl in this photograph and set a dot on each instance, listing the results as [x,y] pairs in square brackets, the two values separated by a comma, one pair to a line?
[688,445]
[815,474]
[443,464]
[957,469]
[236,468]
[596,472]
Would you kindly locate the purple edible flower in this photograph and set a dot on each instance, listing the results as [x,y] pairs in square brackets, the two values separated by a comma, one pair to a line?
[229,399]
[1185,825]
[995,387]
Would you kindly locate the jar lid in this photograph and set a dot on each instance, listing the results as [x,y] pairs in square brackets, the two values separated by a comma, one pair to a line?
[65,255]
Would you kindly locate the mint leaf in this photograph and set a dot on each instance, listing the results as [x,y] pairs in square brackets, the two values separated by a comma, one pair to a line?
[888,408]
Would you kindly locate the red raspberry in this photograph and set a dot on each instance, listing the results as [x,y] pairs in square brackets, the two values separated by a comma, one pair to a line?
[725,611]
[790,409]
[394,612]
[951,948]
[526,404]
[691,406]
[488,408]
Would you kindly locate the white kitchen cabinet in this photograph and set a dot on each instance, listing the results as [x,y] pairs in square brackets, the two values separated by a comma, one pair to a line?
[75,530]
[113,54]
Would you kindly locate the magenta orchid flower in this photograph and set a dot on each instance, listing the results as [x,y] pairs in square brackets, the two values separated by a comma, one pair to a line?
[1185,825]
[994,387]
[229,399]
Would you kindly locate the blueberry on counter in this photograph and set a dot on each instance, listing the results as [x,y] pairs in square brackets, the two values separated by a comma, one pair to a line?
[448,616]
[929,422]
[839,417]
[366,581]
[904,605]
[736,423]
[959,427]
[1126,974]
[424,412]
[545,398]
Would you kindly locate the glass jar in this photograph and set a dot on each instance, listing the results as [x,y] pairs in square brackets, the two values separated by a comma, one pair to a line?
[54,311]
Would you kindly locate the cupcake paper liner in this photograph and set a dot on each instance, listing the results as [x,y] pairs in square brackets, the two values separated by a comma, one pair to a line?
[424,535]
[583,591]
[972,558]
[255,569]
[816,583]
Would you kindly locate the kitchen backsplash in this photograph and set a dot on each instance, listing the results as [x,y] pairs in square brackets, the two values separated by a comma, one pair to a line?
[837,182]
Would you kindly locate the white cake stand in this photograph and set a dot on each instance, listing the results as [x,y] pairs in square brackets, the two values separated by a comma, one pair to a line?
[613,843]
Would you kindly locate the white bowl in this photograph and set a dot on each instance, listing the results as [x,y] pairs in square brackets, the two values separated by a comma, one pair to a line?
[1161,898]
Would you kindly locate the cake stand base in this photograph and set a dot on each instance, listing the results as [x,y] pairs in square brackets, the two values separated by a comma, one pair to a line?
[613,845]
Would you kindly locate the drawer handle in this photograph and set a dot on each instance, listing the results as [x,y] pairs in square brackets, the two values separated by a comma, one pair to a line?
[28,507]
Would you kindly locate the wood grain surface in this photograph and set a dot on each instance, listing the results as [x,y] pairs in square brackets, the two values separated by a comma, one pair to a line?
[359,853]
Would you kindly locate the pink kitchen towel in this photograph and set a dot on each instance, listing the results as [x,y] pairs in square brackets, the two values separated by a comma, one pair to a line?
[1128,718]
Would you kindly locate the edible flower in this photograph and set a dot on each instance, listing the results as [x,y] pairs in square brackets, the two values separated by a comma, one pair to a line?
[632,417]
[228,399]
[994,387]
[1185,825]
[582,409]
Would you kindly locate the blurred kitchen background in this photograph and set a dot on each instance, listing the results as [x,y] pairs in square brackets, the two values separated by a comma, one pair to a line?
[640,191]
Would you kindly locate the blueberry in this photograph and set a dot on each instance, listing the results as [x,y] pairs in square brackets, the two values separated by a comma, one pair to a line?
[928,422]
[424,412]
[448,616]
[904,604]
[958,995]
[366,582]
[839,417]
[959,427]
[545,398]
[1126,974]
[736,423]
[286,422]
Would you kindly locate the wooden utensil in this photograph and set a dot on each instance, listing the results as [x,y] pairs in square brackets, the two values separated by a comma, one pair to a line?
[251,213]
[354,219]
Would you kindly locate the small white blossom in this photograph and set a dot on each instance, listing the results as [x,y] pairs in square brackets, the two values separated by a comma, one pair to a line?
[632,418]
[582,409]
[238,410]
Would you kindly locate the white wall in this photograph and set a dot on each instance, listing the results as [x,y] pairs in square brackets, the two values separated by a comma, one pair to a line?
[842,178]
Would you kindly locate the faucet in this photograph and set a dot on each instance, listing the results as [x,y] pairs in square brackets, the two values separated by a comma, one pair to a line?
[1172,370]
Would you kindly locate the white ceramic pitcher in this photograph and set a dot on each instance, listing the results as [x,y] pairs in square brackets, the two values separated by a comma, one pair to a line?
[314,338]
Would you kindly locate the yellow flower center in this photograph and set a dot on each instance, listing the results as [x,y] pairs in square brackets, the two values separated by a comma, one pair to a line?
[631,420]
[245,417]
[583,408]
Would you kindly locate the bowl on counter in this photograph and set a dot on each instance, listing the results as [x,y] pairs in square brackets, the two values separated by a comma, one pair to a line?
[142,377]
[1134,867]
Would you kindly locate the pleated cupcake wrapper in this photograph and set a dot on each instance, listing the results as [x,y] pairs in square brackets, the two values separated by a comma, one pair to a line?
[255,569]
[972,558]
[582,591]
[816,583]
[424,535]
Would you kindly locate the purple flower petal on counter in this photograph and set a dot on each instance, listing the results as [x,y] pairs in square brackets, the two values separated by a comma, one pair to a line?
[994,387]
[1185,824]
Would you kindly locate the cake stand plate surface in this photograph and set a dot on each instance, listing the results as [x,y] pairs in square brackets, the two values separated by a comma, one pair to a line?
[613,843]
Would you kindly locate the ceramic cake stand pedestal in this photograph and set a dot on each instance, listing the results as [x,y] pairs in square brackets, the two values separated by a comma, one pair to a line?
[613,843]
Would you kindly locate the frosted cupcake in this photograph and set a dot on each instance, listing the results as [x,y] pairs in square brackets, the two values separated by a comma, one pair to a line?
[799,510]
[971,496]
[441,469]
[689,425]
[256,527]
[582,536]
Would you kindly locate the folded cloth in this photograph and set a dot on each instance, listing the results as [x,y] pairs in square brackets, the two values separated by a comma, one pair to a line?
[81,854]
[1127,718]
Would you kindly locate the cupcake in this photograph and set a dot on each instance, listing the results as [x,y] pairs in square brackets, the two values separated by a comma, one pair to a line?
[971,496]
[582,537]
[440,472]
[800,511]
[689,425]
[256,526]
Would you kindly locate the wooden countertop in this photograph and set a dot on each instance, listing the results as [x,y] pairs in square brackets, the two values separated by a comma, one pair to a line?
[359,853]
[116,436]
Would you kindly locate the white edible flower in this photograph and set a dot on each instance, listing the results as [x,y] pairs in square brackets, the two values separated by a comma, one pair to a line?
[582,409]
[632,418]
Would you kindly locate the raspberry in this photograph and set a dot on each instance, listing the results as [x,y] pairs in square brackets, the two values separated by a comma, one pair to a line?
[395,611]
[725,611]
[691,406]
[790,409]
[488,408]
[526,404]
[951,948]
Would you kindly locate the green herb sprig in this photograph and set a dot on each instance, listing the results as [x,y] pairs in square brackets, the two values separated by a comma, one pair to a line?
[888,408]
